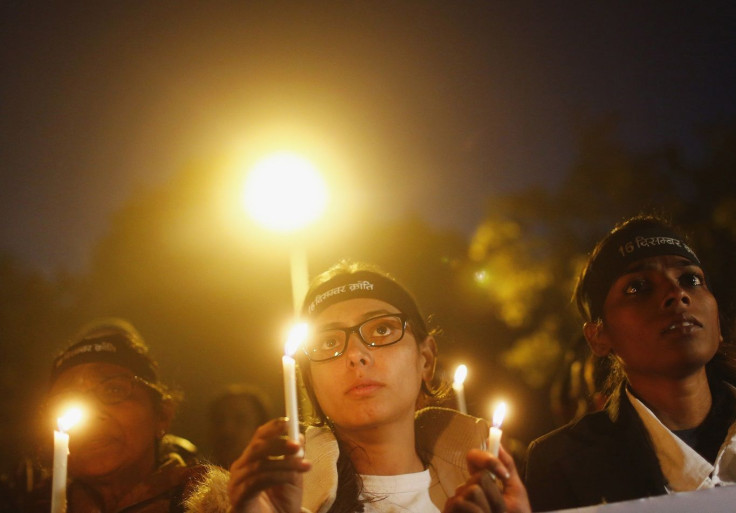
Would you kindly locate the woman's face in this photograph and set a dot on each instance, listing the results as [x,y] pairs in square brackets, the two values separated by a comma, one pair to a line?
[113,439]
[659,319]
[368,387]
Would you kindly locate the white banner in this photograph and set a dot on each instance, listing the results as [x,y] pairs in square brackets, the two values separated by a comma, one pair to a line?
[713,500]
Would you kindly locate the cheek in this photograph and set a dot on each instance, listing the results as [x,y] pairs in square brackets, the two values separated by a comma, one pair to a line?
[140,425]
[324,383]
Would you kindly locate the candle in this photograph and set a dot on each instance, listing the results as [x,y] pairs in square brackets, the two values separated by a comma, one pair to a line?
[61,453]
[494,437]
[459,387]
[296,337]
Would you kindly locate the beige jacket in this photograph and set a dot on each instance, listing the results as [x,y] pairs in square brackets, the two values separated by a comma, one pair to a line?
[444,437]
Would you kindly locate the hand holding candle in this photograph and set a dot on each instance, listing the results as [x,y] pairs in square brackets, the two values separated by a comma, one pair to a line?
[296,337]
[494,437]
[459,387]
[61,453]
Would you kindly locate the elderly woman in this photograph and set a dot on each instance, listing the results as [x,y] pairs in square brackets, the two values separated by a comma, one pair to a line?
[117,460]
[368,365]
[669,425]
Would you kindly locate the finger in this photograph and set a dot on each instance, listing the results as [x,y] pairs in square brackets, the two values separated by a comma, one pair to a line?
[491,492]
[481,460]
[241,491]
[268,441]
[508,461]
[460,504]
[256,468]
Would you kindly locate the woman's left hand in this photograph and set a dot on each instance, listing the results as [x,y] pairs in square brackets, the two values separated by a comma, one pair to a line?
[480,493]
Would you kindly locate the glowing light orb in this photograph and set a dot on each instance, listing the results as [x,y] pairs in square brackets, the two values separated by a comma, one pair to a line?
[285,192]
[297,336]
[499,414]
[460,374]
[70,418]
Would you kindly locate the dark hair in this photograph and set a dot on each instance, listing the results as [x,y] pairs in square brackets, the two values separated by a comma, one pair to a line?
[349,484]
[601,271]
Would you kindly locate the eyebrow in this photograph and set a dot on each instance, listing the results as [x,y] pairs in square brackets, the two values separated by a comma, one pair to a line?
[364,317]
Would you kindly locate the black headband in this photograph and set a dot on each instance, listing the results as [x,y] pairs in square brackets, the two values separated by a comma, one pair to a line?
[624,247]
[114,348]
[362,284]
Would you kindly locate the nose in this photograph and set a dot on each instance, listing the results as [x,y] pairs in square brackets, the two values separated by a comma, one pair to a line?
[357,354]
[676,295]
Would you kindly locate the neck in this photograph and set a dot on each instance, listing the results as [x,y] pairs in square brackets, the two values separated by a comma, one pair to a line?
[681,403]
[113,489]
[386,450]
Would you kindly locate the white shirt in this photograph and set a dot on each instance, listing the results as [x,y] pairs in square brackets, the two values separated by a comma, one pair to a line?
[682,466]
[402,493]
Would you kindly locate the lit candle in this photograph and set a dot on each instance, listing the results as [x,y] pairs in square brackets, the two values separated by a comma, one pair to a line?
[494,437]
[459,387]
[61,453]
[296,337]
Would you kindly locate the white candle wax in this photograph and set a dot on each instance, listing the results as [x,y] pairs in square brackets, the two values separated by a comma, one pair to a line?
[459,389]
[494,440]
[458,385]
[58,483]
[494,436]
[290,397]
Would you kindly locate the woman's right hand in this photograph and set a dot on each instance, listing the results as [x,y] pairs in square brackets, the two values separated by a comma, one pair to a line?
[267,477]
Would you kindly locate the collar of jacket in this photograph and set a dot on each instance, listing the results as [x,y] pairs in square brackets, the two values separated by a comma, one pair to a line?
[443,437]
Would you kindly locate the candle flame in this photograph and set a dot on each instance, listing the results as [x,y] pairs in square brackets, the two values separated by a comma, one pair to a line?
[70,417]
[498,414]
[297,335]
[460,374]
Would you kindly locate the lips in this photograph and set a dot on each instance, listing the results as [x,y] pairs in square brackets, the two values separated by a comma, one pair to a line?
[682,324]
[364,387]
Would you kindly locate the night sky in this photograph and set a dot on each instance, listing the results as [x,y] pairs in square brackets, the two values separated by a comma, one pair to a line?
[429,107]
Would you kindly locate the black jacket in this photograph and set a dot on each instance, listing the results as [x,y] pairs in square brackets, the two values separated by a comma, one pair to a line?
[605,456]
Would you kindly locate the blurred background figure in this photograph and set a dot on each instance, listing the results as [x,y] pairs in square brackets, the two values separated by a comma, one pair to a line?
[235,414]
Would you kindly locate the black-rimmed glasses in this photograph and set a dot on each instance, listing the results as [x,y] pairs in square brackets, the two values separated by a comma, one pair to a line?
[380,331]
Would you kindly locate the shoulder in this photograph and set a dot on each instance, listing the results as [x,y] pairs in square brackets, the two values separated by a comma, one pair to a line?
[584,431]
[448,433]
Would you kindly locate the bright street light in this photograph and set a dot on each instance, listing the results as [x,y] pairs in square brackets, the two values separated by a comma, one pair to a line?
[284,192]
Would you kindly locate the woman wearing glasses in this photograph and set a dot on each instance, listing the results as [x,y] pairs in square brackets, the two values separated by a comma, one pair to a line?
[116,456]
[367,366]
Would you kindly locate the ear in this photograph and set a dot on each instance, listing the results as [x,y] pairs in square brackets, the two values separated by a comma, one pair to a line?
[428,356]
[596,339]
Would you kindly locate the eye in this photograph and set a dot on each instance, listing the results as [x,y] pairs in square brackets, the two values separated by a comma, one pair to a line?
[325,342]
[692,280]
[115,389]
[636,286]
[384,328]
